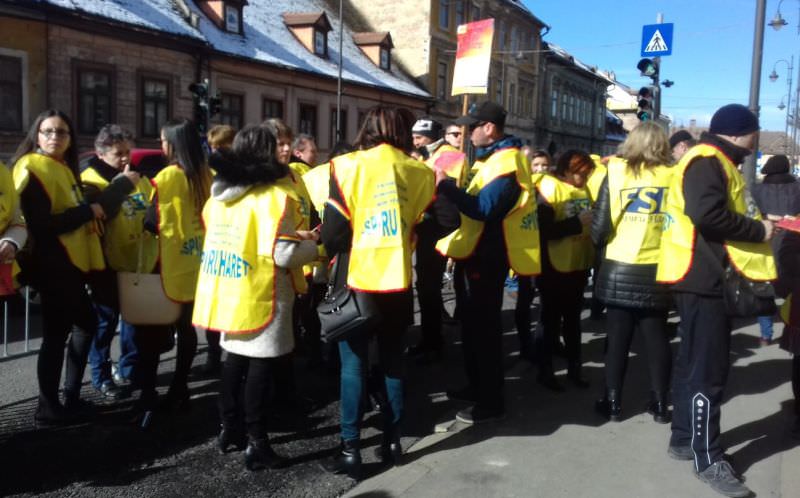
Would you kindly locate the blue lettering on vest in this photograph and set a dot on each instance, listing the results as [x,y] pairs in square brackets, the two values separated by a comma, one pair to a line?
[644,200]
[529,221]
[224,264]
[389,223]
[192,247]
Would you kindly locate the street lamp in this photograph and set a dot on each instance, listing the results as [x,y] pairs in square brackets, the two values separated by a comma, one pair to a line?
[774,77]
[781,107]
[778,21]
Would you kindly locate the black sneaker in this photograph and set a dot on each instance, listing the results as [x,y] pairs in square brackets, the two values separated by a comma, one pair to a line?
[110,390]
[680,452]
[467,395]
[722,479]
[478,415]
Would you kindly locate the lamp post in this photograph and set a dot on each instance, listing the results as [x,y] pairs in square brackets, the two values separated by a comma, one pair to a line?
[773,77]
[749,168]
[778,21]
[339,80]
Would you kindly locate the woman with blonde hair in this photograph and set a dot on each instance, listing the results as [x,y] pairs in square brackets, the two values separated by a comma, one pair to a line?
[628,220]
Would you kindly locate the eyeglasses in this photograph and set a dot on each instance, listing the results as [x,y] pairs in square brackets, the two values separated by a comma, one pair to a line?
[54,132]
[454,133]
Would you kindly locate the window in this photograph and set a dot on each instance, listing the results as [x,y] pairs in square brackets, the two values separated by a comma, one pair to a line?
[320,43]
[512,95]
[307,119]
[154,102]
[272,108]
[343,136]
[498,89]
[10,93]
[514,39]
[554,105]
[231,110]
[444,14]
[501,35]
[386,59]
[521,108]
[441,81]
[564,111]
[233,19]
[95,106]
[461,15]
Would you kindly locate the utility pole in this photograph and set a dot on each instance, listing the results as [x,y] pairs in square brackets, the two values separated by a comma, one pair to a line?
[749,168]
[339,80]
[657,78]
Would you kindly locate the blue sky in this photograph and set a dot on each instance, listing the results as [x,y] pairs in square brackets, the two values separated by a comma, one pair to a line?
[712,49]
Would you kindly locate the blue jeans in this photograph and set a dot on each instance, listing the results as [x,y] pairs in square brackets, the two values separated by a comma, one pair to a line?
[355,367]
[765,323]
[100,352]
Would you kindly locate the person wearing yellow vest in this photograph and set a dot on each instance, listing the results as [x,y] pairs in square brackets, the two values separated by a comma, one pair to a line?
[179,193]
[498,230]
[709,205]
[439,219]
[123,230]
[377,197]
[66,247]
[628,219]
[567,254]
[245,291]
[13,234]
[787,255]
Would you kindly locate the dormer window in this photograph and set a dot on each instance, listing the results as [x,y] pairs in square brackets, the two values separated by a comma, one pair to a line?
[225,14]
[233,18]
[377,46]
[311,29]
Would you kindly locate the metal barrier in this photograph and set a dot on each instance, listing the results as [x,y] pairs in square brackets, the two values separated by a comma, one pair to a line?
[27,325]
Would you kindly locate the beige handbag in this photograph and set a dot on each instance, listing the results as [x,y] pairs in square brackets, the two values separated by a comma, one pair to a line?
[142,300]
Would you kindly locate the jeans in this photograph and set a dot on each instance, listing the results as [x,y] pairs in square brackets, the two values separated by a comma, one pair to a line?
[100,352]
[390,334]
[765,323]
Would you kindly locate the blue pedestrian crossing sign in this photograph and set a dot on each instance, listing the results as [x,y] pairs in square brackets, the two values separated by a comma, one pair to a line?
[657,40]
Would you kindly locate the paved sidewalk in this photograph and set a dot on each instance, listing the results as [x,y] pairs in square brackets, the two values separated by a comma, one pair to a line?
[554,445]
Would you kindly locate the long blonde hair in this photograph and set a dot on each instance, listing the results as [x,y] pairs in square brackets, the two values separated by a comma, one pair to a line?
[647,146]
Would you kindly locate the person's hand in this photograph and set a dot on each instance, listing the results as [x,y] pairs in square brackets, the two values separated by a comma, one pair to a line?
[308,235]
[775,217]
[131,175]
[97,209]
[8,251]
[585,217]
[769,229]
[440,176]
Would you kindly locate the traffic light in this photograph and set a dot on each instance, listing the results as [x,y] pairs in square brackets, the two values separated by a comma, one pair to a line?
[649,68]
[214,106]
[645,104]
[200,105]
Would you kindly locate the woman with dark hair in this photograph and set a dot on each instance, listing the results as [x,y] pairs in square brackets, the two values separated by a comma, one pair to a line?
[628,220]
[253,244]
[567,255]
[383,189]
[66,248]
[179,192]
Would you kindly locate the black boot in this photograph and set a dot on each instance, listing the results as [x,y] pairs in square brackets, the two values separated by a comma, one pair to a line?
[347,460]
[259,455]
[659,408]
[390,452]
[574,376]
[610,405]
[231,434]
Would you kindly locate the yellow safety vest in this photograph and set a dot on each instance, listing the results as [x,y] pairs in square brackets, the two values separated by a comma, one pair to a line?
[385,193]
[82,245]
[520,225]
[752,259]
[574,252]
[636,234]
[459,173]
[786,311]
[124,232]
[318,182]
[180,234]
[236,286]
[294,182]
[299,168]
[595,180]
[9,198]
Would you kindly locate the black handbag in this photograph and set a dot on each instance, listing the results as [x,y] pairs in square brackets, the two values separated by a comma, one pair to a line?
[743,297]
[343,312]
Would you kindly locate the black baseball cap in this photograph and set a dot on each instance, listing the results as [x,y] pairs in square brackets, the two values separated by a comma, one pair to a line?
[484,112]
[678,137]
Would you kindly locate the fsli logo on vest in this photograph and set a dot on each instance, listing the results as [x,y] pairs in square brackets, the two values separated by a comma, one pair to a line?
[644,200]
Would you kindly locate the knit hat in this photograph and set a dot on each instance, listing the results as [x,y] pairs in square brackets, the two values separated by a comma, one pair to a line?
[678,137]
[427,127]
[734,120]
[776,165]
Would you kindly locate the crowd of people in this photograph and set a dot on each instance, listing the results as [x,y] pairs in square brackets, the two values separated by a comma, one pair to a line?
[248,232]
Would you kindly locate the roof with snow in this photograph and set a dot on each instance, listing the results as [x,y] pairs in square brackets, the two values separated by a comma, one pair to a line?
[266,37]
[560,53]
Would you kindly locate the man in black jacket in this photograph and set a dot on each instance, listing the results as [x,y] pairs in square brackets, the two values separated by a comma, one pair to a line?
[702,364]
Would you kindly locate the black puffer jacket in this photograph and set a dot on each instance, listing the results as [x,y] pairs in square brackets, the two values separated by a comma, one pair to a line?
[623,284]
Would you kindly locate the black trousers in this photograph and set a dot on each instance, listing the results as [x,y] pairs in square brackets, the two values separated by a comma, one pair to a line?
[482,329]
[700,374]
[307,320]
[620,324]
[522,313]
[430,267]
[67,317]
[561,297]
[246,388]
